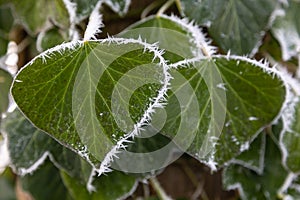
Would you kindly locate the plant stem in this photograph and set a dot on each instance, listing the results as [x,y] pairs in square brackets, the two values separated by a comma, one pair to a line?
[150,7]
[159,190]
[164,7]
[179,7]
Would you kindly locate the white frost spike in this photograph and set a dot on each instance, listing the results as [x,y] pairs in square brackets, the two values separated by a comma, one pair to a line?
[252,118]
[95,23]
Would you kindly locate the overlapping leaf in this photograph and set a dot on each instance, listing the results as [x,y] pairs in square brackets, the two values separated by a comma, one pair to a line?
[291,136]
[35,15]
[253,158]
[259,186]
[40,186]
[28,149]
[235,25]
[286,29]
[114,186]
[69,93]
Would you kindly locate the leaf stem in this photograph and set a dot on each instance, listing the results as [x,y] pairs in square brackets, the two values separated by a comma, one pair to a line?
[159,190]
[179,7]
[150,7]
[164,7]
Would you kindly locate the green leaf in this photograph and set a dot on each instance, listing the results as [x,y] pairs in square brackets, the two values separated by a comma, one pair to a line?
[84,8]
[6,22]
[45,183]
[290,138]
[5,83]
[116,185]
[35,15]
[50,38]
[80,93]
[255,186]
[235,25]
[230,100]
[253,158]
[180,39]
[29,147]
[286,29]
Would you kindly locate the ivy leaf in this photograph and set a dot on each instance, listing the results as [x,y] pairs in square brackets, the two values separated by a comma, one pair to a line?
[253,158]
[235,25]
[170,33]
[286,29]
[122,185]
[81,93]
[230,99]
[5,83]
[45,183]
[29,147]
[265,185]
[30,14]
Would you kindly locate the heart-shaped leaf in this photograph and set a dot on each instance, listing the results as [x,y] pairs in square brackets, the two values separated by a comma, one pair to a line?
[93,96]
[235,25]
[220,104]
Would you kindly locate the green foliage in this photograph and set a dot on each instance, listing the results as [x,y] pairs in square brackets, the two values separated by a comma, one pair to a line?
[94,116]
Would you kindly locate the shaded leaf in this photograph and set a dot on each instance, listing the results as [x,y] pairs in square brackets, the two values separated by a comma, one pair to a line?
[69,92]
[286,29]
[50,38]
[35,15]
[253,158]
[45,183]
[290,138]
[5,83]
[29,147]
[235,25]
[254,186]
[115,185]
[6,22]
